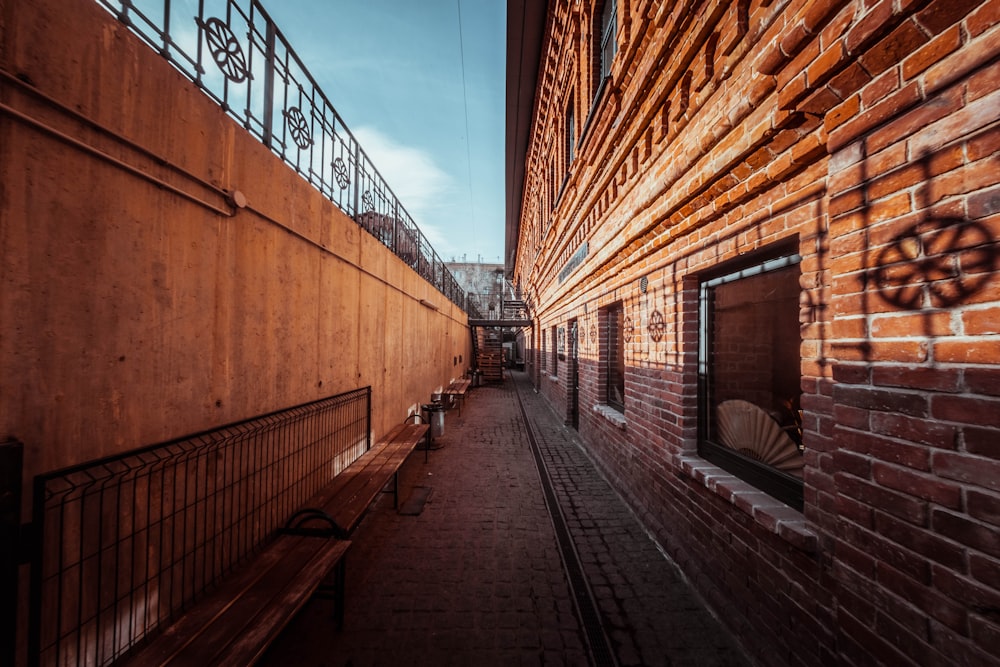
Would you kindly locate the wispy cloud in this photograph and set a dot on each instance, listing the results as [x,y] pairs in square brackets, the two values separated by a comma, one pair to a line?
[421,186]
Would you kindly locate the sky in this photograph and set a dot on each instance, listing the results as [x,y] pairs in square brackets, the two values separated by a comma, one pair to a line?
[393,70]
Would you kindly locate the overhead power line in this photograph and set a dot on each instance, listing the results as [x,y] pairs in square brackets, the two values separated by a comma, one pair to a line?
[468,137]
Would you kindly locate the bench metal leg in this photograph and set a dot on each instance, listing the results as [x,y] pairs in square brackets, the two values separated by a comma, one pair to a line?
[339,582]
[395,490]
[335,588]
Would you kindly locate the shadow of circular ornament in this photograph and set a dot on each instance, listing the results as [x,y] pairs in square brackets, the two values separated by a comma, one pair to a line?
[935,263]
[628,329]
[657,327]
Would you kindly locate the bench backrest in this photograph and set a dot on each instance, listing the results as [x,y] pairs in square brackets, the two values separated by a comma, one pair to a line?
[124,544]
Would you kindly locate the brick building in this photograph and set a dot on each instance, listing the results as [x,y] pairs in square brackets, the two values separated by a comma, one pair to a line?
[759,241]
[484,286]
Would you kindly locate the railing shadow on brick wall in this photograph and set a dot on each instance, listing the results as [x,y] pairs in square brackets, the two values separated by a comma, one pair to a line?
[937,263]
[124,544]
[236,54]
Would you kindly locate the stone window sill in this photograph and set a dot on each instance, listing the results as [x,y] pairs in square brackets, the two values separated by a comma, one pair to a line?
[610,414]
[772,515]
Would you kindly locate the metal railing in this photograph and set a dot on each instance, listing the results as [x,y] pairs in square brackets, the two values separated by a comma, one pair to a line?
[124,544]
[235,53]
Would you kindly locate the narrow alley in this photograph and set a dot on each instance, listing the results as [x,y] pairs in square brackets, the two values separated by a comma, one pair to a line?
[477,576]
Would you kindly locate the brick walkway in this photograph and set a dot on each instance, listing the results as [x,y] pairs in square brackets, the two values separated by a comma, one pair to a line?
[477,578]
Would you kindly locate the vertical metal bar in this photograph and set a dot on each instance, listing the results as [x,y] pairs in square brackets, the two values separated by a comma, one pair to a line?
[269,84]
[81,526]
[137,577]
[99,558]
[368,418]
[395,228]
[11,470]
[165,50]
[198,69]
[357,177]
[35,596]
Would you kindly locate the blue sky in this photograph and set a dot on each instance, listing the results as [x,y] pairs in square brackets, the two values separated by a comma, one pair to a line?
[393,70]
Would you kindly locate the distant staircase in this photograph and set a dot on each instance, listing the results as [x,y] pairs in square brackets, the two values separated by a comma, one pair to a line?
[489,353]
[488,334]
[514,309]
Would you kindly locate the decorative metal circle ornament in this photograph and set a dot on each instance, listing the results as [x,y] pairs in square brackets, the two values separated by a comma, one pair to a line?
[341,174]
[593,334]
[937,263]
[298,127]
[368,201]
[629,329]
[226,50]
[657,327]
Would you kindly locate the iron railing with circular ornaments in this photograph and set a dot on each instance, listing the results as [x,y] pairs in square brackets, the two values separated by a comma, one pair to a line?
[235,53]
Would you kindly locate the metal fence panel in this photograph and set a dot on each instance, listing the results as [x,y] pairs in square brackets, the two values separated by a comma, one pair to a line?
[125,544]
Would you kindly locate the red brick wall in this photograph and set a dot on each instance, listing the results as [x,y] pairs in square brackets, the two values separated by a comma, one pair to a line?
[866,137]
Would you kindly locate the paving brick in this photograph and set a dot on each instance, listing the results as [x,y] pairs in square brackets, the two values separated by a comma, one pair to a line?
[477,577]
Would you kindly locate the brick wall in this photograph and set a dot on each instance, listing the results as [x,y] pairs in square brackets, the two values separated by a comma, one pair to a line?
[865,138]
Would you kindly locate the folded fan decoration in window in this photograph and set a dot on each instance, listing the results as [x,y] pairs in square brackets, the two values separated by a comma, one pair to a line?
[753,433]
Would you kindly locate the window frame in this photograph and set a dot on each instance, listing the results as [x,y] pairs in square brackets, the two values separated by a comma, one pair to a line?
[555,351]
[570,146]
[543,337]
[780,485]
[614,332]
[608,37]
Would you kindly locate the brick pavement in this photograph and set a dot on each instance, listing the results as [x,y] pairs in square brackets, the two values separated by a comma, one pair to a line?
[477,577]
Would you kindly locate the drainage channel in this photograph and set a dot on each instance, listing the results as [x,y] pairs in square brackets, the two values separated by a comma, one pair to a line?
[597,639]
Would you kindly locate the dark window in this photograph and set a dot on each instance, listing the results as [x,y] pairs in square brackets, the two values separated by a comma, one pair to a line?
[543,337]
[555,352]
[570,133]
[553,196]
[609,26]
[615,359]
[749,375]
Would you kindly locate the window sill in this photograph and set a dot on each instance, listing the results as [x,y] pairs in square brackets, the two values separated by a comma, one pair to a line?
[554,378]
[772,515]
[612,415]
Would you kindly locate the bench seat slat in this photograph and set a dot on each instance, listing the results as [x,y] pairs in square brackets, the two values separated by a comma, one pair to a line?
[458,387]
[353,479]
[235,623]
[349,494]
[275,604]
[347,505]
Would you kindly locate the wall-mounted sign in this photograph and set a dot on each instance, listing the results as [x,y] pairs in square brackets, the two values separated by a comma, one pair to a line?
[574,261]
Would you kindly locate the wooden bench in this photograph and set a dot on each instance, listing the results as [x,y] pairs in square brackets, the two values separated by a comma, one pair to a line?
[236,623]
[457,389]
[339,506]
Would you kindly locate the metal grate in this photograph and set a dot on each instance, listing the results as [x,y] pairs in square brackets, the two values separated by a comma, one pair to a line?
[126,543]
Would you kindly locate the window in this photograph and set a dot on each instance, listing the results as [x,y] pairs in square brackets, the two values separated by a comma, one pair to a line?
[555,352]
[570,132]
[615,357]
[543,337]
[553,196]
[750,421]
[609,26]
